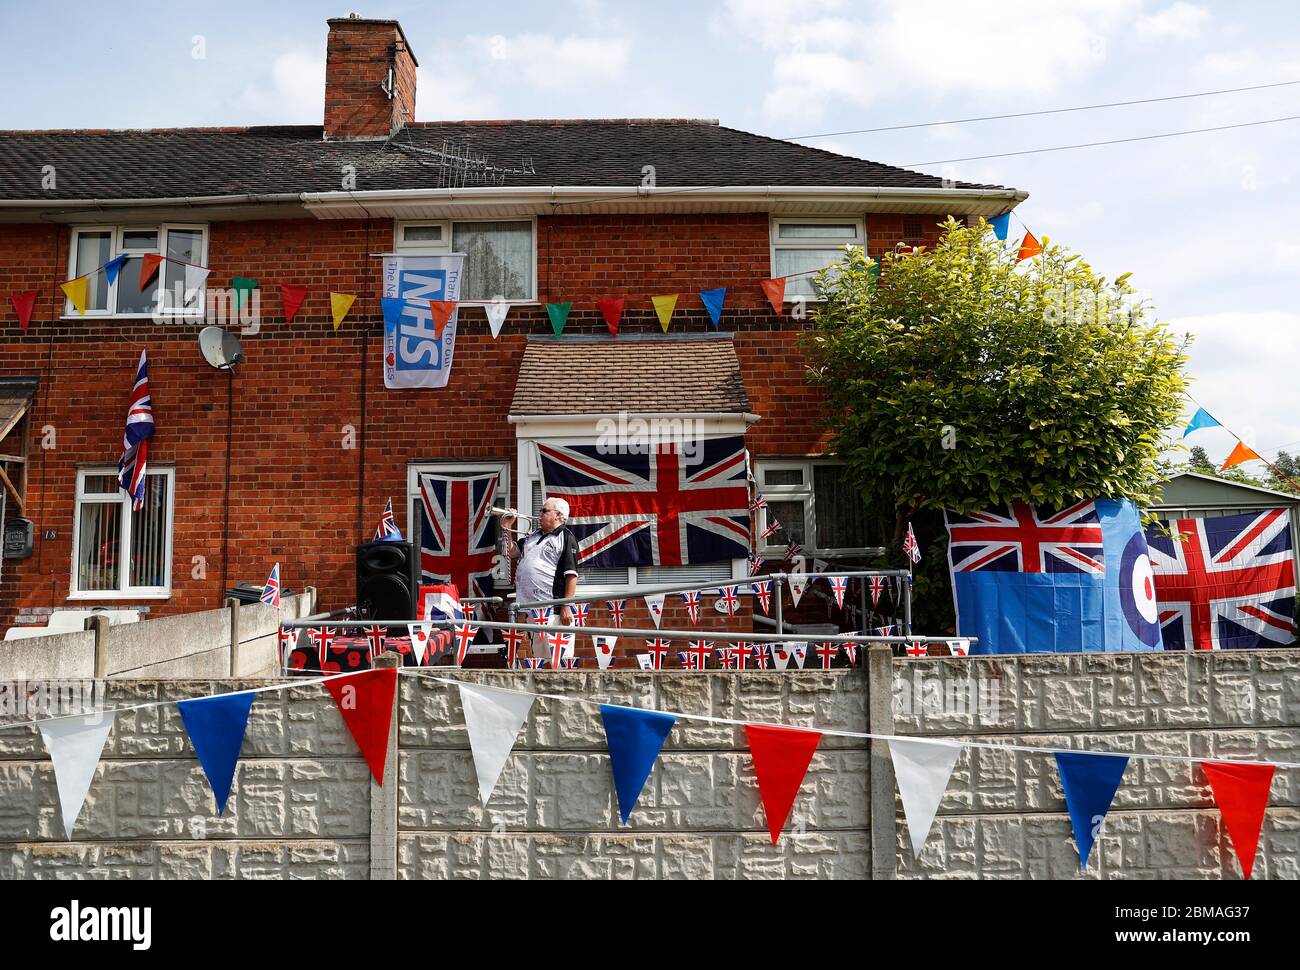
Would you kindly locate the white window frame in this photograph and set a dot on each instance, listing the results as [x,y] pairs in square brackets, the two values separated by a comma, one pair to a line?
[415,469]
[806,493]
[449,227]
[124,538]
[813,242]
[118,231]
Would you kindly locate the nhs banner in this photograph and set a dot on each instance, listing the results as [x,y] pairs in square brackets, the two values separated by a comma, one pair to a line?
[1028,579]
[414,354]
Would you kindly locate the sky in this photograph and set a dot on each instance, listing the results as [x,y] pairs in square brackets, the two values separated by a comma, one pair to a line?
[1206,223]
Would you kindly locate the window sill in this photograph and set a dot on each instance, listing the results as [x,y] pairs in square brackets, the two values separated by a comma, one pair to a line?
[113,595]
[166,317]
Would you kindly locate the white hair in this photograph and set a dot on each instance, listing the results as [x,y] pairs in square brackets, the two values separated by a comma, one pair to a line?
[559,505]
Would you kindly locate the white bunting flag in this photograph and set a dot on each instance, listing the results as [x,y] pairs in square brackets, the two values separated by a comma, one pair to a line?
[75,745]
[654,602]
[604,650]
[820,565]
[959,648]
[922,770]
[800,651]
[798,583]
[195,277]
[496,315]
[781,655]
[644,660]
[493,718]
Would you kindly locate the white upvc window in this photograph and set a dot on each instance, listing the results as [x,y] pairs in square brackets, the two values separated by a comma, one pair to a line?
[458,469]
[500,254]
[800,246]
[817,506]
[118,553]
[93,246]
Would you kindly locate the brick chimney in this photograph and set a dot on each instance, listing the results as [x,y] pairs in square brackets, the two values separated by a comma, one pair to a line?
[369,79]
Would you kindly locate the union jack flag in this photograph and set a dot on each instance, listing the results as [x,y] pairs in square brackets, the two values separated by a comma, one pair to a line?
[658,647]
[375,636]
[324,639]
[1228,584]
[512,639]
[541,614]
[579,613]
[692,601]
[387,530]
[772,529]
[744,650]
[457,533]
[885,631]
[463,636]
[287,640]
[729,600]
[560,644]
[877,587]
[728,657]
[1024,538]
[911,548]
[699,652]
[918,649]
[755,564]
[763,591]
[616,609]
[135,441]
[760,656]
[851,651]
[758,503]
[533,663]
[826,652]
[659,509]
[271,591]
[791,551]
[839,585]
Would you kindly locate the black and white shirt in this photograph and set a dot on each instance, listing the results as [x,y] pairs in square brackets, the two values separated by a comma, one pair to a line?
[546,560]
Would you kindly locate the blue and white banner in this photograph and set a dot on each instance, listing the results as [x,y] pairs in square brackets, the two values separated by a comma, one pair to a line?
[414,354]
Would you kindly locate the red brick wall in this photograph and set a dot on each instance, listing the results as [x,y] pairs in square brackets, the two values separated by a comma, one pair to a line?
[357,57]
[295,495]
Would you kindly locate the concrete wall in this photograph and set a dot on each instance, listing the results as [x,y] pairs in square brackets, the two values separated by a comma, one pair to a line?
[185,645]
[303,804]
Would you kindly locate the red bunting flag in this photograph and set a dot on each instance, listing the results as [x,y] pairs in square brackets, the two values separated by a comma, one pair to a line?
[291,297]
[366,703]
[1029,248]
[781,758]
[611,308]
[149,264]
[23,303]
[775,290]
[1241,792]
[442,311]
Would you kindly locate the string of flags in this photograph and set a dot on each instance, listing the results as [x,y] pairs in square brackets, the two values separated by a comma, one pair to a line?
[781,755]
[1240,453]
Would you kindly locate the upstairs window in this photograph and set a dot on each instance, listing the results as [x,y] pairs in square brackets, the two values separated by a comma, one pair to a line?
[802,246]
[93,246]
[500,256]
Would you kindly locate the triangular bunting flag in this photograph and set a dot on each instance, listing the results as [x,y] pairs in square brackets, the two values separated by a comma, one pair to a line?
[496,316]
[604,646]
[922,771]
[1241,792]
[75,745]
[76,291]
[195,277]
[654,602]
[442,311]
[24,304]
[1090,782]
[291,298]
[366,703]
[664,306]
[634,738]
[149,264]
[775,291]
[216,728]
[1201,419]
[1001,224]
[559,314]
[800,651]
[492,718]
[113,267]
[646,661]
[1240,454]
[781,758]
[611,308]
[1029,247]
[713,301]
[782,654]
[390,306]
[242,286]
[798,583]
[340,304]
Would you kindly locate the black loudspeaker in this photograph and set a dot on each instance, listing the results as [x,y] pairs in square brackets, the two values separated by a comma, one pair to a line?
[388,581]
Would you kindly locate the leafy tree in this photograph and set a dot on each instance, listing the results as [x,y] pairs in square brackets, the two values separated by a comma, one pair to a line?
[1199,461]
[1285,475]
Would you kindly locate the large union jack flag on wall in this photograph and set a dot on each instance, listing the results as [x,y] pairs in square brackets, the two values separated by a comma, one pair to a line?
[1025,538]
[1227,583]
[457,533]
[661,507]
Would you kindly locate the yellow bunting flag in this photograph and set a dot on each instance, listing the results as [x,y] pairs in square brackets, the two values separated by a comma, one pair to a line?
[77,292]
[1029,248]
[340,304]
[664,307]
[1239,454]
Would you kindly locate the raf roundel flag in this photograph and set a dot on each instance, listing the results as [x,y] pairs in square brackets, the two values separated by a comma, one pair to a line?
[1028,579]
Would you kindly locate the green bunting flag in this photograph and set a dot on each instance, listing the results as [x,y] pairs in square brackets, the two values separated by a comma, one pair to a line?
[559,314]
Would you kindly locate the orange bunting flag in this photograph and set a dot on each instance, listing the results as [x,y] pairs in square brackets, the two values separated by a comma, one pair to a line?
[442,311]
[1029,248]
[149,264]
[664,307]
[611,308]
[1239,454]
[340,304]
[775,290]
[77,292]
[291,297]
[24,303]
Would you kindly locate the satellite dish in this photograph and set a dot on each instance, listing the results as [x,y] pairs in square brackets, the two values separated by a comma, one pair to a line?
[220,348]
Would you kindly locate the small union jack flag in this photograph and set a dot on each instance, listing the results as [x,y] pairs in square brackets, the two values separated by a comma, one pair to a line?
[772,529]
[387,530]
[692,601]
[541,614]
[917,649]
[560,644]
[760,656]
[911,548]
[755,565]
[579,613]
[744,651]
[763,591]
[791,551]
[877,587]
[135,440]
[851,651]
[699,651]
[570,663]
[826,653]
[885,631]
[728,657]
[287,640]
[839,585]
[729,600]
[533,663]
[463,636]
[324,639]
[512,639]
[375,635]
[616,609]
[271,591]
[758,503]
[658,647]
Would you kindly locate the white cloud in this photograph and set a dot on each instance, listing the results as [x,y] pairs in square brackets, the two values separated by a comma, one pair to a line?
[1179,20]
[293,93]
[547,62]
[451,94]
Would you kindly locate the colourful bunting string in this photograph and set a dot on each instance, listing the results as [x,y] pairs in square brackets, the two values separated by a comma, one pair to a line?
[611,308]
[242,286]
[1029,247]
[775,291]
[634,738]
[216,728]
[24,304]
[291,299]
[559,314]
[1240,455]
[664,306]
[75,745]
[149,264]
[493,719]
[366,703]
[1201,419]
[77,293]
[442,311]
[1089,782]
[1241,792]
[340,304]
[113,267]
[1001,224]
[713,301]
[781,757]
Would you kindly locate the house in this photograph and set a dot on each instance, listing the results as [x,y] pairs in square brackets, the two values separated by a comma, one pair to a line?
[290,455]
